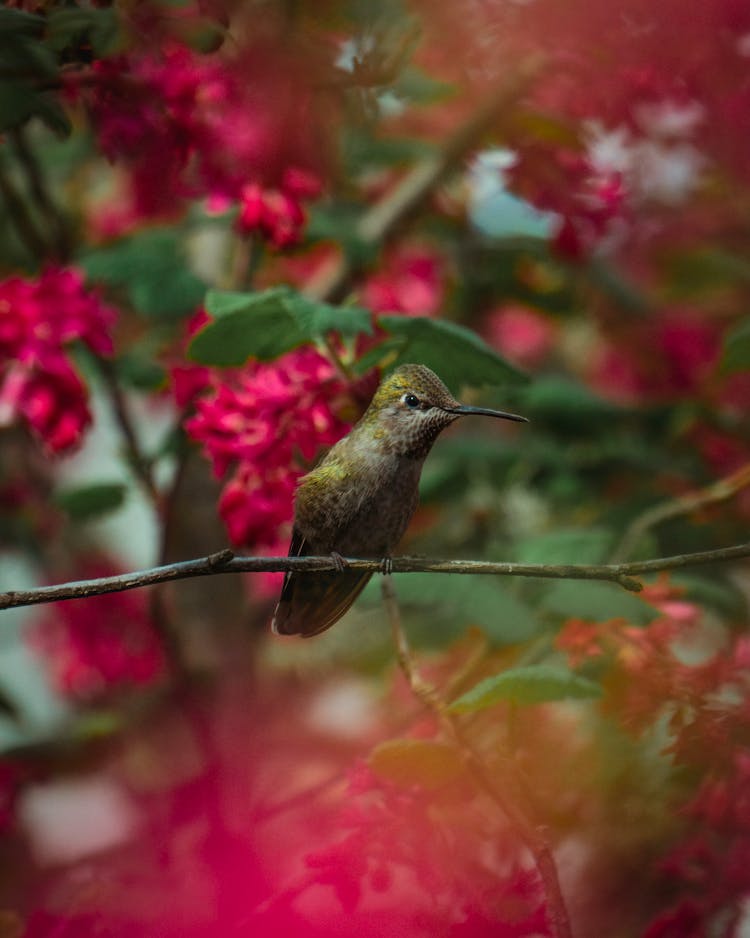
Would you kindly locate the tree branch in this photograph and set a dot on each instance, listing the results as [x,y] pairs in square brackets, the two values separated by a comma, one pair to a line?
[28,232]
[54,218]
[381,221]
[225,562]
[518,814]
[719,491]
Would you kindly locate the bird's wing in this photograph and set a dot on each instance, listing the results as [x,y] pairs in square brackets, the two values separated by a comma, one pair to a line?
[310,603]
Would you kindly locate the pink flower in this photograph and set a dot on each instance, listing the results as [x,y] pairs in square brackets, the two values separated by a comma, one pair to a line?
[260,427]
[11,776]
[189,125]
[523,335]
[275,214]
[410,280]
[38,383]
[101,645]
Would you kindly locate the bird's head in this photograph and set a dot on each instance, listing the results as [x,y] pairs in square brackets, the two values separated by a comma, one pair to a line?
[412,406]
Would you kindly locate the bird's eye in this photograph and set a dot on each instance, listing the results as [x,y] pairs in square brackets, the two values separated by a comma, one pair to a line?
[411,400]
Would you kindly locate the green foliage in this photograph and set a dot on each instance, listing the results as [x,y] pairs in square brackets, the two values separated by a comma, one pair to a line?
[137,369]
[596,601]
[448,603]
[88,502]
[585,545]
[27,63]
[566,405]
[67,25]
[151,269]
[526,685]
[454,352]
[736,352]
[267,324]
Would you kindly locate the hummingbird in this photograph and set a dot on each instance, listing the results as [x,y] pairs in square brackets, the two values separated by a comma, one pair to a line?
[359,499]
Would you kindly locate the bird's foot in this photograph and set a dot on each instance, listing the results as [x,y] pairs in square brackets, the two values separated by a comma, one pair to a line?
[386,566]
[339,563]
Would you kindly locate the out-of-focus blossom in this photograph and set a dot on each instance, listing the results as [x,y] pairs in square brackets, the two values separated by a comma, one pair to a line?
[188,380]
[277,214]
[522,334]
[189,126]
[669,355]
[259,427]
[410,280]
[38,383]
[10,779]
[99,646]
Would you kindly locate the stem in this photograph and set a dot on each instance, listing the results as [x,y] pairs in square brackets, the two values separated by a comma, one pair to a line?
[38,188]
[382,221]
[719,491]
[136,458]
[25,226]
[530,836]
[225,562]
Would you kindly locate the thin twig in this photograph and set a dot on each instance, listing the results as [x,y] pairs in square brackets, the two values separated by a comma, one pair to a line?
[226,562]
[719,491]
[136,459]
[426,692]
[24,224]
[38,189]
[515,811]
[379,224]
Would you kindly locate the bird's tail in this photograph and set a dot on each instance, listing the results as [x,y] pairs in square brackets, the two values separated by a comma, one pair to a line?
[310,603]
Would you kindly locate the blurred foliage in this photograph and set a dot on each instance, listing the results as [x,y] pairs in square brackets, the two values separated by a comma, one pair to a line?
[209,230]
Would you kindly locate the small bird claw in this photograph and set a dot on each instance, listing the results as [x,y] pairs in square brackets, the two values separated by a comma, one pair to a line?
[339,563]
[386,566]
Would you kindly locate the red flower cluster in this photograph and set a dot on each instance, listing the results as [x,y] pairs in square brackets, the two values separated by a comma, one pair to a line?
[277,214]
[100,646]
[522,334]
[667,356]
[262,425]
[410,280]
[190,126]
[38,383]
[464,877]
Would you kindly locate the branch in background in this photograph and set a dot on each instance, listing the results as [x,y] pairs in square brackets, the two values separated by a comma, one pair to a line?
[136,459]
[53,217]
[225,562]
[381,222]
[720,491]
[514,810]
[18,213]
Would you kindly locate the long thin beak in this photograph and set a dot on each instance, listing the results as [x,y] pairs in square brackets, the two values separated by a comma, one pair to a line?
[463,410]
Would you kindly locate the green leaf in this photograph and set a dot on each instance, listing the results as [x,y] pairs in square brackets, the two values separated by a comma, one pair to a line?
[152,270]
[735,355]
[705,271]
[453,352]
[99,26]
[566,403]
[427,763]
[596,601]
[525,685]
[450,602]
[91,501]
[268,324]
[14,23]
[140,371]
[19,103]
[419,87]
[588,545]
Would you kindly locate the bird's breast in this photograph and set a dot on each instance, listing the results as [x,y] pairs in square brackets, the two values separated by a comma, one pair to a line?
[366,512]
